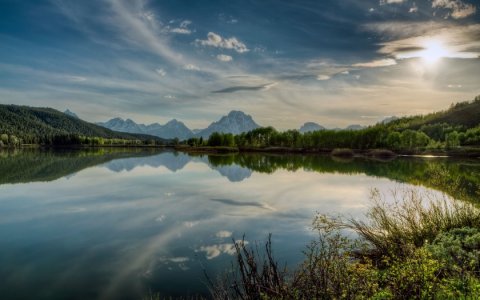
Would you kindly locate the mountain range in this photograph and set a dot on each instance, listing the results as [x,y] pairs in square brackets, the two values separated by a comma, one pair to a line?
[235,122]
[172,129]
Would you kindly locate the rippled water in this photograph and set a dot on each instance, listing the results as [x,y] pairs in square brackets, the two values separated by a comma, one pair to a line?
[116,224]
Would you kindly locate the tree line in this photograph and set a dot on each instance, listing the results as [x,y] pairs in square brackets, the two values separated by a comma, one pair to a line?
[378,136]
[457,126]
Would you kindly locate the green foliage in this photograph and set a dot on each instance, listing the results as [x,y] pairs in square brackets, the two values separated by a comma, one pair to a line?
[414,219]
[374,266]
[458,248]
[412,277]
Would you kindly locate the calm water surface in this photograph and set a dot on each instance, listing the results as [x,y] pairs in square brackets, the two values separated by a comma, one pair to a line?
[116,224]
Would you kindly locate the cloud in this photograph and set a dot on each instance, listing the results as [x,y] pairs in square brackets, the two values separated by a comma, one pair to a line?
[216,250]
[161,72]
[458,8]
[191,67]
[383,2]
[161,218]
[215,40]
[183,28]
[376,63]
[225,58]
[234,89]
[223,234]
[323,77]
[180,30]
[413,9]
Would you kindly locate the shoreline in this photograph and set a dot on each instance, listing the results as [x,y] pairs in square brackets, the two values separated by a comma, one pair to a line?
[374,153]
[470,152]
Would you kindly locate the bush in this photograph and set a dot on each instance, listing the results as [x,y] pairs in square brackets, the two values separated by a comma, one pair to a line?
[342,152]
[458,249]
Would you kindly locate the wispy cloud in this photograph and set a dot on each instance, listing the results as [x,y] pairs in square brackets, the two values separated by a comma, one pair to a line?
[383,2]
[134,23]
[191,67]
[234,89]
[412,39]
[215,40]
[376,63]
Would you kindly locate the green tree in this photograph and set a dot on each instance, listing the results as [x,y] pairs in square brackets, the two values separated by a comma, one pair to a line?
[452,140]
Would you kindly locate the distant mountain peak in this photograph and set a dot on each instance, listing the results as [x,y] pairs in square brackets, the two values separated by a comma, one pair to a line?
[311,126]
[235,122]
[389,119]
[172,129]
[355,127]
[71,113]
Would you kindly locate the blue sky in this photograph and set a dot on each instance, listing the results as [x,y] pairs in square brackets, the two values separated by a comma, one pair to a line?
[335,62]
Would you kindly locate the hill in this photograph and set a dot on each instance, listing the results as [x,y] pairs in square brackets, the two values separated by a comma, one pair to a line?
[463,114]
[41,125]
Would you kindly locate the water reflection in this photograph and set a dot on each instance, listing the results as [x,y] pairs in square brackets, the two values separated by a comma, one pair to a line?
[128,222]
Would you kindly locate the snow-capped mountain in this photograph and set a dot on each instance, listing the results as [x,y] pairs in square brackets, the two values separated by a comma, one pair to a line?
[172,129]
[311,126]
[235,122]
[118,124]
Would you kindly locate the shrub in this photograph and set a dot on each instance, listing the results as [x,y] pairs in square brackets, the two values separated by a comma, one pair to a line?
[342,152]
[458,249]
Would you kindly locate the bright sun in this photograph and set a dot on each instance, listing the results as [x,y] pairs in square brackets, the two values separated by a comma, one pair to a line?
[433,51]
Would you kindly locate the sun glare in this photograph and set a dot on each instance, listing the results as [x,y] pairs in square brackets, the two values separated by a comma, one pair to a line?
[433,51]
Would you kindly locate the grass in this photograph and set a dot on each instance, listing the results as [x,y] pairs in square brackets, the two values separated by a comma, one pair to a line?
[417,247]
[413,218]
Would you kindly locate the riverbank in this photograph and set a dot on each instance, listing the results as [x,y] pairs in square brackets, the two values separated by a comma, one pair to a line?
[463,152]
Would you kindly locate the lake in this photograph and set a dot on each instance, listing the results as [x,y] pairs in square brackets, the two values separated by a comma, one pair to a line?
[119,223]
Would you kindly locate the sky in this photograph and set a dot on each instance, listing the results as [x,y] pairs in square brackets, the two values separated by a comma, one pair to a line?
[334,62]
